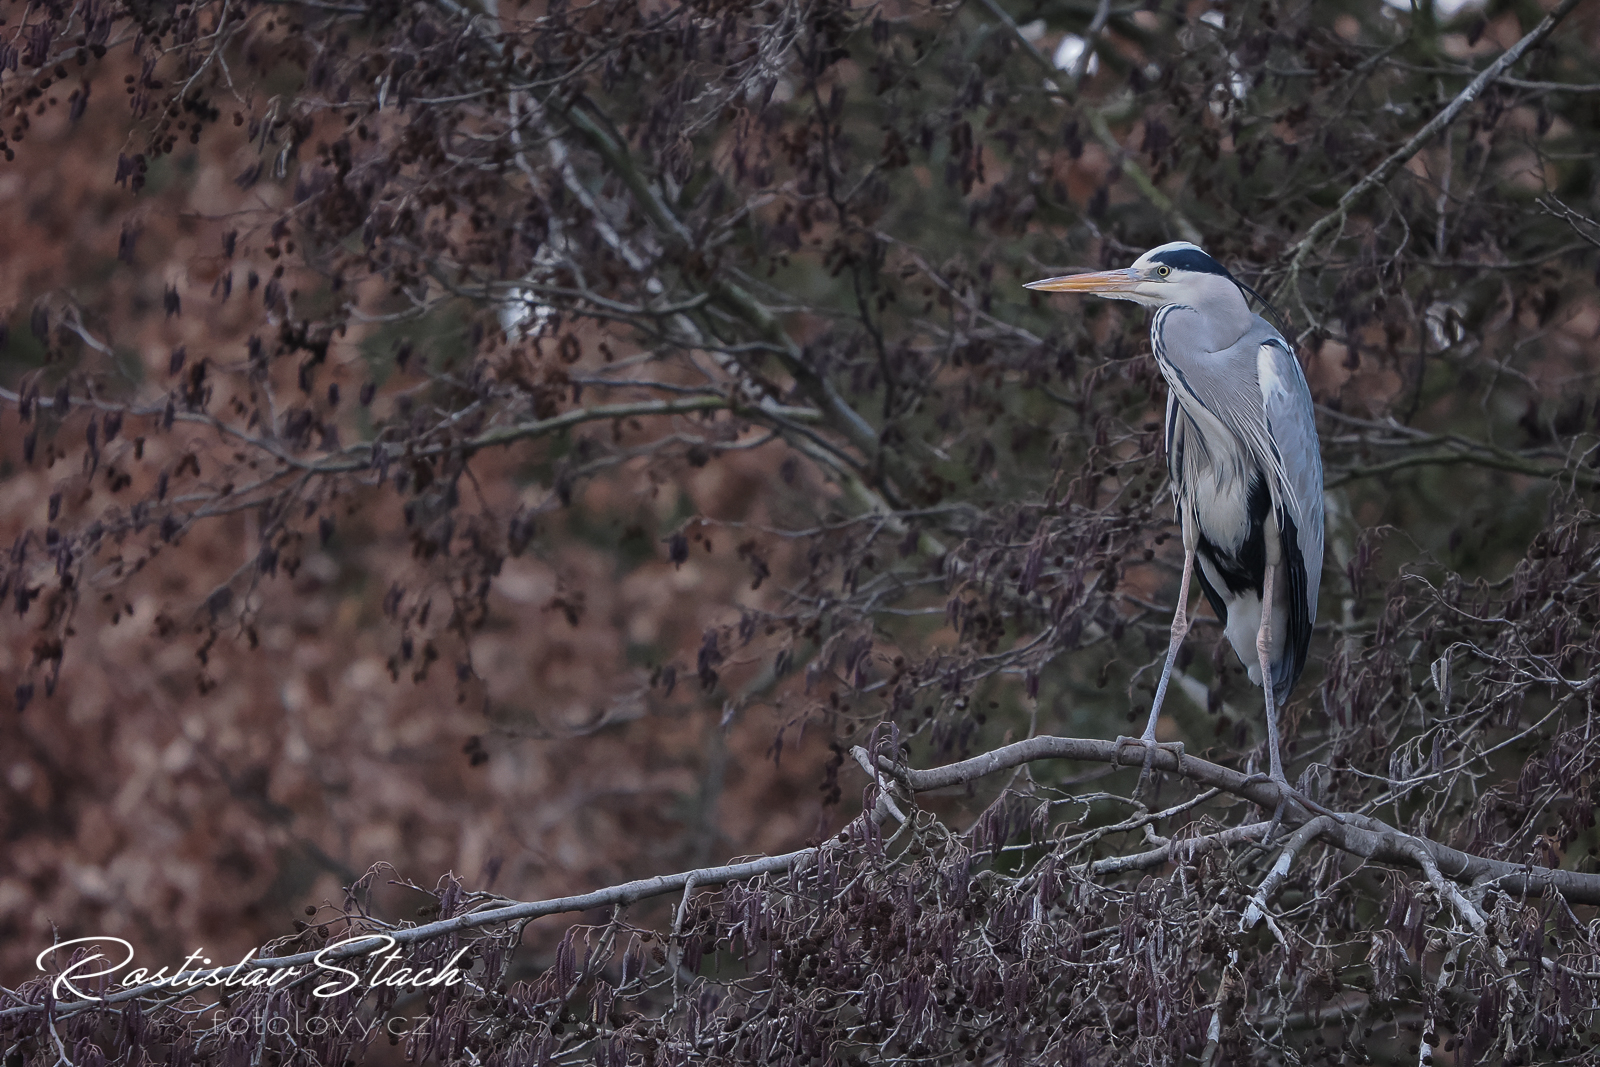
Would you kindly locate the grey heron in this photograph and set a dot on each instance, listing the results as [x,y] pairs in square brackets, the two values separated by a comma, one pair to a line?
[1245,467]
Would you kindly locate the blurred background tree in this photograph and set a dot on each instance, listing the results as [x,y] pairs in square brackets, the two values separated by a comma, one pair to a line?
[535,442]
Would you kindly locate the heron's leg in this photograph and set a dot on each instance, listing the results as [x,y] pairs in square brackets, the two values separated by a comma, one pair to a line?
[1264,652]
[1180,629]
[1286,792]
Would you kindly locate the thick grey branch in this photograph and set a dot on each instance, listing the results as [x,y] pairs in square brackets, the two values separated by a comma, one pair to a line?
[1359,835]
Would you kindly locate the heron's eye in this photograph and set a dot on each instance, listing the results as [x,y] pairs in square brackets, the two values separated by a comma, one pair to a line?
[1163,271]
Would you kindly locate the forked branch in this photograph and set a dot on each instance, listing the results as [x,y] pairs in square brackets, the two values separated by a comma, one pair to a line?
[1359,835]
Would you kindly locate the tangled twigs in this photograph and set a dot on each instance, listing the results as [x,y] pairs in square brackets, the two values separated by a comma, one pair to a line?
[854,870]
[1359,835]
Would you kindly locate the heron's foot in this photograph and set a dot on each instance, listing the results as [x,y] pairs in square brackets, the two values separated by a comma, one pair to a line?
[1150,744]
[1286,793]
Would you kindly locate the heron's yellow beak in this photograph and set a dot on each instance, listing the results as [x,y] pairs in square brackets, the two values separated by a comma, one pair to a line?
[1105,281]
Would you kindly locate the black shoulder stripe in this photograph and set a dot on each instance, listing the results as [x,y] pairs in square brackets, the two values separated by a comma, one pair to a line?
[1243,566]
[1300,622]
[1214,598]
[1218,605]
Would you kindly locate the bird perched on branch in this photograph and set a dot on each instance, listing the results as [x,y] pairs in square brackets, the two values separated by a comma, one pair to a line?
[1245,467]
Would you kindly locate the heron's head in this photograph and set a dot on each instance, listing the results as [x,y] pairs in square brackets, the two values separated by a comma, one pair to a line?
[1175,273]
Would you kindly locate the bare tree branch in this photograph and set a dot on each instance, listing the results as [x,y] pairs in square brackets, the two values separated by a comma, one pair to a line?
[1359,835]
[1401,155]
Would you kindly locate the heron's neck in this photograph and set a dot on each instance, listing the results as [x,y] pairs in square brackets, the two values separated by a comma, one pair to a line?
[1217,317]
